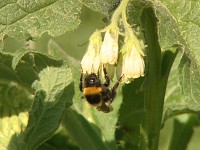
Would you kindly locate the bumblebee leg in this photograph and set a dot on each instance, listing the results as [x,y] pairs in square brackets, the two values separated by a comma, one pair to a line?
[104,107]
[98,72]
[107,83]
[113,90]
[81,81]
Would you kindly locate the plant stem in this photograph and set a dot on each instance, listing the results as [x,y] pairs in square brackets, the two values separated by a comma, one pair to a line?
[119,10]
[156,82]
[153,99]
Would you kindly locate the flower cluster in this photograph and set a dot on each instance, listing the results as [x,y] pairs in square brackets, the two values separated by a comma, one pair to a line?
[99,53]
[128,58]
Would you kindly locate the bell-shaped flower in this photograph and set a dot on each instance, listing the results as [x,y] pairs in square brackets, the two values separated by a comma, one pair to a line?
[90,62]
[132,62]
[109,47]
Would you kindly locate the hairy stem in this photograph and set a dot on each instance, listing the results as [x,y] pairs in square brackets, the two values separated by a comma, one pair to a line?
[156,82]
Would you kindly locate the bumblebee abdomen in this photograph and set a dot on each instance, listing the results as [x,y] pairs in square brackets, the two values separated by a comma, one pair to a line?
[93,95]
[93,99]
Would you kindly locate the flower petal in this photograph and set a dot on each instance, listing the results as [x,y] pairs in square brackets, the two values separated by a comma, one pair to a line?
[109,48]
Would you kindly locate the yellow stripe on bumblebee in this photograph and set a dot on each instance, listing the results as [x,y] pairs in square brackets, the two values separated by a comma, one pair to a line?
[92,90]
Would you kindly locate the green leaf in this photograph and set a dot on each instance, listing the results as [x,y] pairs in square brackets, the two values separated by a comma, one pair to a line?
[29,19]
[180,94]
[17,57]
[15,102]
[183,20]
[81,131]
[53,80]
[182,132]
[106,122]
[57,52]
[178,25]
[134,12]
[31,64]
[167,36]
[190,81]
[27,65]
[128,131]
[6,72]
[54,93]
[59,141]
[102,6]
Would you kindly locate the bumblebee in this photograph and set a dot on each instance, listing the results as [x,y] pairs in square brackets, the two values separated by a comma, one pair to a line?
[96,93]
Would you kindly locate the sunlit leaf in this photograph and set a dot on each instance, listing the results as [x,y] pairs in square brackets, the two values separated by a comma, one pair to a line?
[15,102]
[182,94]
[54,93]
[56,51]
[29,19]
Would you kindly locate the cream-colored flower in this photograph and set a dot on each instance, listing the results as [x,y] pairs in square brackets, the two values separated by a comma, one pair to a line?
[109,48]
[132,63]
[90,62]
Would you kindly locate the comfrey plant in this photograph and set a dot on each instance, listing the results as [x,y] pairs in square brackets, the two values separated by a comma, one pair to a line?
[128,57]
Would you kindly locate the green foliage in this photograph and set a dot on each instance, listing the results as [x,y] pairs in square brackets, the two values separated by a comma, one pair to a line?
[81,131]
[183,130]
[29,19]
[51,96]
[41,106]
[100,6]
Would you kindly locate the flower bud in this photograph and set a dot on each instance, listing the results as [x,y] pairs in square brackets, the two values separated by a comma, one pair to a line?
[90,62]
[109,48]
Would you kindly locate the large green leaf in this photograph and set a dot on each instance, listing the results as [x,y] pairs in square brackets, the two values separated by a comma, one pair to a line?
[182,88]
[57,52]
[54,92]
[29,19]
[179,24]
[183,19]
